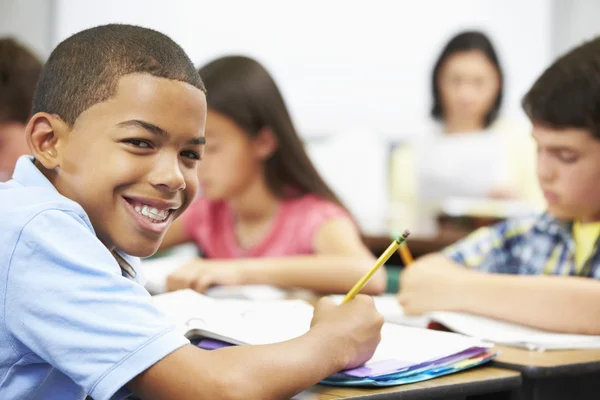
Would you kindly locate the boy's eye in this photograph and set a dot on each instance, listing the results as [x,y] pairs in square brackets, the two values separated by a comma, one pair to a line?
[567,157]
[191,155]
[139,143]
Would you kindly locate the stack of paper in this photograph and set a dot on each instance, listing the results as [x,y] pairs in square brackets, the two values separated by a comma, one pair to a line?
[405,354]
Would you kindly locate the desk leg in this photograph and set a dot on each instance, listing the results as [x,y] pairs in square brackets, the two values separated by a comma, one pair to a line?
[493,396]
[585,387]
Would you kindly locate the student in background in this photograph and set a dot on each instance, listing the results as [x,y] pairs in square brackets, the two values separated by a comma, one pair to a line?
[535,271]
[19,72]
[116,135]
[265,215]
[467,90]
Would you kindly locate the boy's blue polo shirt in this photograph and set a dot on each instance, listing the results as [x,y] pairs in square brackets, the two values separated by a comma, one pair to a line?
[70,323]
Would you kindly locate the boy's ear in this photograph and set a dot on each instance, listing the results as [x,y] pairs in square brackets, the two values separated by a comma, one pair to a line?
[265,143]
[45,134]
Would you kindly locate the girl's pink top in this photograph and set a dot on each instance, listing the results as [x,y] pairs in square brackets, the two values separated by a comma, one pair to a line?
[211,224]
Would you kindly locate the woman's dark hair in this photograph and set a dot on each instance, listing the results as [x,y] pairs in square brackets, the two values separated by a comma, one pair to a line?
[242,89]
[466,41]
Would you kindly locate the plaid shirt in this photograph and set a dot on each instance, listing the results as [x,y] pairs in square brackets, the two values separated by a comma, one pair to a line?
[535,245]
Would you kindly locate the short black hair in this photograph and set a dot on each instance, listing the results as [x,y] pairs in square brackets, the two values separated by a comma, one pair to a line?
[19,72]
[85,68]
[466,41]
[567,94]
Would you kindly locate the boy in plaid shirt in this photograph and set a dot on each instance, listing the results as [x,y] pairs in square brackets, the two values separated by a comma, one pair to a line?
[533,270]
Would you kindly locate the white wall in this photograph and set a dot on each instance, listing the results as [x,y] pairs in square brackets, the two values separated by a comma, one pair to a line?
[573,21]
[341,64]
[30,22]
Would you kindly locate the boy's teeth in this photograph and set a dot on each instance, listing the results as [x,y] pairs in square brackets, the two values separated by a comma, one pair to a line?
[152,213]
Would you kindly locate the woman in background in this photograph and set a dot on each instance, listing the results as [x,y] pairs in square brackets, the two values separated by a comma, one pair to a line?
[265,215]
[469,151]
[467,84]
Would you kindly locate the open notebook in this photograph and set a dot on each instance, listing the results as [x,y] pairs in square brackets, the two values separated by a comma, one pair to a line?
[487,329]
[405,354]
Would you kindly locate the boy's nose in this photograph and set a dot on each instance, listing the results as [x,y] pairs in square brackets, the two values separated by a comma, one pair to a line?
[545,170]
[167,174]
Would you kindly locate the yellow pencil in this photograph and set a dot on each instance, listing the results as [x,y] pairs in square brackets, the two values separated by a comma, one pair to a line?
[405,255]
[380,261]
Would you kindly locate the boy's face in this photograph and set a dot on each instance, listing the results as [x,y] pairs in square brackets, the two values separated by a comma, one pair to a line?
[568,168]
[131,160]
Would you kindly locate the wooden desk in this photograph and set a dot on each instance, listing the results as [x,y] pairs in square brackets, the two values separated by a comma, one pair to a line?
[564,374]
[536,364]
[482,382]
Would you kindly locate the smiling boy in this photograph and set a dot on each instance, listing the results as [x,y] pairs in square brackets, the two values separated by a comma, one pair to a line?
[116,135]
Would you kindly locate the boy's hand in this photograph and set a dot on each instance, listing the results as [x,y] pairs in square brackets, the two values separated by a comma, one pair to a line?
[202,274]
[433,283]
[356,326]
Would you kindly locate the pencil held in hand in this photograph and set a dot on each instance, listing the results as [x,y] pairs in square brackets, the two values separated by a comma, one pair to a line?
[380,261]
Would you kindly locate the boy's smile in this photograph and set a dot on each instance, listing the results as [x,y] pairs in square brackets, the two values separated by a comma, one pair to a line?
[131,161]
[153,215]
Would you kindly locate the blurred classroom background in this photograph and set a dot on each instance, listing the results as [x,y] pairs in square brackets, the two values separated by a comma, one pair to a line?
[356,76]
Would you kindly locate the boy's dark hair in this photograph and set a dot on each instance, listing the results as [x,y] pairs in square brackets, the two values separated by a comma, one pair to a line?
[567,94]
[466,41]
[85,68]
[19,73]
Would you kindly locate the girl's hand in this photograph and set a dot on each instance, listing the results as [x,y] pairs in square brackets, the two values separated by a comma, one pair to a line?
[201,274]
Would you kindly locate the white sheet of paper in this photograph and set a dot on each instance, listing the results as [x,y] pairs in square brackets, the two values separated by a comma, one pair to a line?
[487,329]
[502,332]
[265,322]
[445,161]
[392,311]
[417,345]
[246,321]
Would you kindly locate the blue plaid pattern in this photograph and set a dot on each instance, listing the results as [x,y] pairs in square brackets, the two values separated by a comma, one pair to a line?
[534,245]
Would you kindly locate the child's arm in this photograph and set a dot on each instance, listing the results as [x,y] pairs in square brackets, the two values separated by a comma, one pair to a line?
[341,259]
[102,330]
[556,303]
[340,337]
